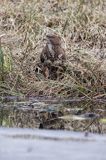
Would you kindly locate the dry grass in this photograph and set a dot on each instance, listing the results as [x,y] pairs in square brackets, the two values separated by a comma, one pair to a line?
[81,24]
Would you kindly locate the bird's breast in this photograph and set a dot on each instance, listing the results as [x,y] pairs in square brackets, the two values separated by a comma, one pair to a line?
[51,50]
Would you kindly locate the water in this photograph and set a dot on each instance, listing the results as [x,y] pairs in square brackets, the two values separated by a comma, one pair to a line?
[49,113]
[43,128]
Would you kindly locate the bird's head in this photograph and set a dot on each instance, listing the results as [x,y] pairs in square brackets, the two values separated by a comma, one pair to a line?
[53,39]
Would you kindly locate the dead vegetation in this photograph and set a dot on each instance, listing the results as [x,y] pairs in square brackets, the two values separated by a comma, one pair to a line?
[82,26]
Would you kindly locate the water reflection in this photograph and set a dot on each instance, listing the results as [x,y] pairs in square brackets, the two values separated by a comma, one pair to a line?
[47,113]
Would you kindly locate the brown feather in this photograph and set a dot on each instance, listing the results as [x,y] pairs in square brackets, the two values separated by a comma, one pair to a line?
[51,53]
